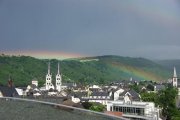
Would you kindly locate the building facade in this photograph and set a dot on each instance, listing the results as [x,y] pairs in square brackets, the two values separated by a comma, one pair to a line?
[49,85]
[58,80]
[175,79]
[134,110]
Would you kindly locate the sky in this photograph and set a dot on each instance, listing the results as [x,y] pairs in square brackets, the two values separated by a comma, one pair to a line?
[73,28]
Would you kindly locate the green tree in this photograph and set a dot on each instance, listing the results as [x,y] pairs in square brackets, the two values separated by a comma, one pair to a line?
[150,87]
[97,107]
[150,97]
[167,101]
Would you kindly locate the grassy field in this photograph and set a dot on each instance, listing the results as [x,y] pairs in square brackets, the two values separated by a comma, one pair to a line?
[21,110]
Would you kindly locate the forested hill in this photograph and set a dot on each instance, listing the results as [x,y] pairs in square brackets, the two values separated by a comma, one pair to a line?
[101,69]
[170,64]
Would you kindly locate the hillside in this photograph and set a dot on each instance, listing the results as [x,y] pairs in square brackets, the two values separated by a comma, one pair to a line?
[101,69]
[169,64]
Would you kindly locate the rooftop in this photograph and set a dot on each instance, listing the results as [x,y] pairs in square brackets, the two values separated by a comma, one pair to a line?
[19,109]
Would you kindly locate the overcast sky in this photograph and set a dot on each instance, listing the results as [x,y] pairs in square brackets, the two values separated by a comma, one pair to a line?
[135,28]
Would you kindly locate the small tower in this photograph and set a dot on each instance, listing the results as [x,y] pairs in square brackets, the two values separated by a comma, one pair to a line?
[49,84]
[10,82]
[174,79]
[58,80]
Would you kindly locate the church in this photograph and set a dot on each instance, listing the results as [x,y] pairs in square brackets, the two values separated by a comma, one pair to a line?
[175,82]
[49,85]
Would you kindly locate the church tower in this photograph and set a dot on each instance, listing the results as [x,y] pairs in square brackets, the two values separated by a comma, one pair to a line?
[49,79]
[174,79]
[58,80]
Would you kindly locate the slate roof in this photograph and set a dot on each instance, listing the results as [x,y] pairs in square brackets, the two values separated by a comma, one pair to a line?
[79,94]
[69,85]
[134,94]
[159,87]
[8,91]
[99,94]
[87,99]
[94,89]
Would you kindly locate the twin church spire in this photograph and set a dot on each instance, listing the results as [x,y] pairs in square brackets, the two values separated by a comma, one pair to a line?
[58,83]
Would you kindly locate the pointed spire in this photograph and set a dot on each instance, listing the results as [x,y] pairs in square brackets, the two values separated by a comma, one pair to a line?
[49,67]
[58,68]
[175,75]
[10,82]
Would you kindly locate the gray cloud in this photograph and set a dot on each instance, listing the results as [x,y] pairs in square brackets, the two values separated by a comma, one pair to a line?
[93,27]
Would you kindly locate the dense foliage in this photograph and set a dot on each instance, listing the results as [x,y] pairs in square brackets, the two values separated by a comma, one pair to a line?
[165,99]
[95,70]
[94,106]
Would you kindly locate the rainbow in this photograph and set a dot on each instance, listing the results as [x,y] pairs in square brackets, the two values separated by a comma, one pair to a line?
[43,54]
[158,11]
[136,72]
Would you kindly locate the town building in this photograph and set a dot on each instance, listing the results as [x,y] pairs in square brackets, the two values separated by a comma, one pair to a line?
[134,110]
[49,85]
[9,90]
[58,80]
[175,79]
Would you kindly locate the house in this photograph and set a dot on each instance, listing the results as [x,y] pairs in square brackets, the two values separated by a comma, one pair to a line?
[158,87]
[117,92]
[99,97]
[130,93]
[33,90]
[68,85]
[20,91]
[8,91]
[77,96]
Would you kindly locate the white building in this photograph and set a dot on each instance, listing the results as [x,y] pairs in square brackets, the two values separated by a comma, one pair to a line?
[58,80]
[117,93]
[35,82]
[134,109]
[20,92]
[175,79]
[49,84]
